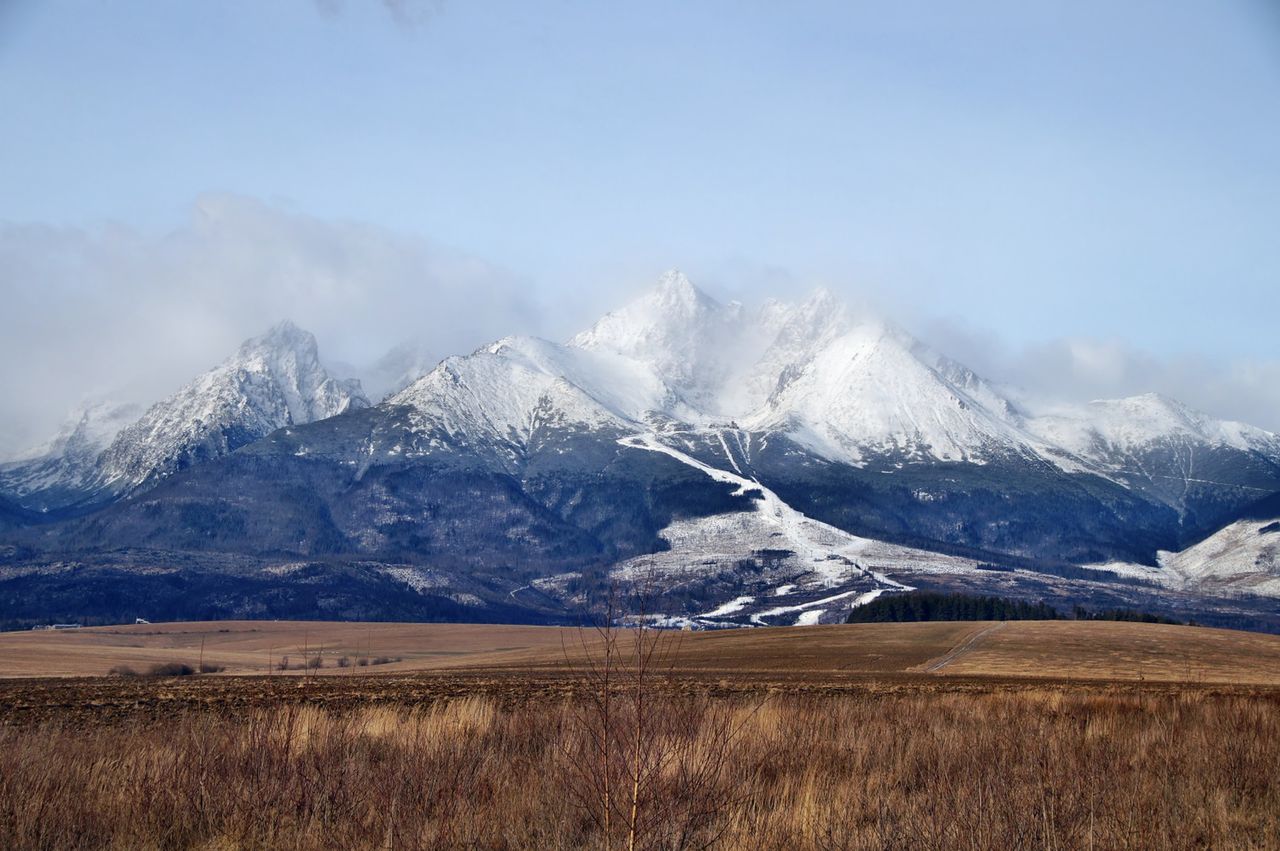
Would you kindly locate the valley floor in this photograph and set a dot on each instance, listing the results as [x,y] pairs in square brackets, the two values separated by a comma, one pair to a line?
[1092,650]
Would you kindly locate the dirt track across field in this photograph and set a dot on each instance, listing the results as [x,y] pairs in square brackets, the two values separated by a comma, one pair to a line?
[935,665]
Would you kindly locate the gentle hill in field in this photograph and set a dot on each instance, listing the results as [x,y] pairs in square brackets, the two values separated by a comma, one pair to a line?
[1101,650]
[1021,649]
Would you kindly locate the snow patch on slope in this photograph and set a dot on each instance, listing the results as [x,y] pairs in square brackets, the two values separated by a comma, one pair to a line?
[818,556]
[1243,558]
[823,549]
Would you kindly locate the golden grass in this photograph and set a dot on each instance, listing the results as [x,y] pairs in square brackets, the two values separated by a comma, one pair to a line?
[1122,651]
[809,738]
[1045,768]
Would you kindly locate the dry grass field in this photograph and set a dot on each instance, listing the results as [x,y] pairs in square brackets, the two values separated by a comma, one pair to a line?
[1055,649]
[259,647]
[1121,651]
[943,735]
[1038,768]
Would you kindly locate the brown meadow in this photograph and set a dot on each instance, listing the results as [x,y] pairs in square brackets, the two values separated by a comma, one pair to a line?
[1038,768]
[668,741]
[1089,650]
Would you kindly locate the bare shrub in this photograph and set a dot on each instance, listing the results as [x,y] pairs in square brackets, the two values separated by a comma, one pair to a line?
[170,669]
[646,768]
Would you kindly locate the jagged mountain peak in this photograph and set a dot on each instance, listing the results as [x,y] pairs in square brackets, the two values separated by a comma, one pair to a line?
[499,399]
[283,343]
[283,336]
[274,380]
[674,287]
[821,313]
[671,308]
[822,299]
[1158,412]
[679,332]
[290,357]
[872,388]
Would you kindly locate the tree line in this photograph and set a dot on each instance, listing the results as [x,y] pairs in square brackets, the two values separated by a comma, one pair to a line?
[936,606]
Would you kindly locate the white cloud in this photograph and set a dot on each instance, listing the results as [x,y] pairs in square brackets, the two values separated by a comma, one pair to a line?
[1080,369]
[113,312]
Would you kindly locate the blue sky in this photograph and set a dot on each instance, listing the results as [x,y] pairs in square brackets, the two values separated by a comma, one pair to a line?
[1041,171]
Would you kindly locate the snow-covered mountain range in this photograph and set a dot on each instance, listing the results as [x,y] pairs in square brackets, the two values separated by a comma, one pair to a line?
[782,462]
[844,386]
[852,389]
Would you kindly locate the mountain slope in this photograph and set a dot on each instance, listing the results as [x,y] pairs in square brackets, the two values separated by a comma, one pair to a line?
[1239,559]
[1243,557]
[1205,469]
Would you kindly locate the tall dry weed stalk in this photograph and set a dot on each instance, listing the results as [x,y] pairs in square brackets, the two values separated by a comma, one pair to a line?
[644,764]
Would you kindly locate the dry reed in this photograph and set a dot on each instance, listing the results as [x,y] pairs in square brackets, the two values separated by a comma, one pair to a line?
[1045,768]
